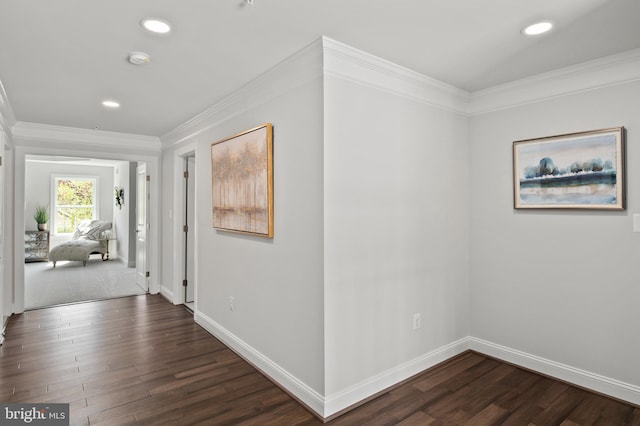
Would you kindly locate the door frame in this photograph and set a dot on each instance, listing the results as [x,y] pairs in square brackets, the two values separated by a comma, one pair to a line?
[142,168]
[190,234]
[3,237]
[179,158]
[153,170]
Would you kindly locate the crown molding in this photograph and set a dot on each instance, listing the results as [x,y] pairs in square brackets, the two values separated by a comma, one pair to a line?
[354,65]
[293,72]
[608,71]
[351,64]
[33,134]
[328,57]
[322,57]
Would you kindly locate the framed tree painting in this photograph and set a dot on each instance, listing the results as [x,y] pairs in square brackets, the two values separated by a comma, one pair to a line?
[583,170]
[242,182]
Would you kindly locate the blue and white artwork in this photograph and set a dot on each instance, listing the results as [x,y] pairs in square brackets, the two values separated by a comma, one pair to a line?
[582,170]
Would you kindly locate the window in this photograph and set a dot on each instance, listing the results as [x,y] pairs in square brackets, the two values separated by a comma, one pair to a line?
[74,199]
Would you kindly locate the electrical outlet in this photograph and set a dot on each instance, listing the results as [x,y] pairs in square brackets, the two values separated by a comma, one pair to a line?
[231,303]
[417,321]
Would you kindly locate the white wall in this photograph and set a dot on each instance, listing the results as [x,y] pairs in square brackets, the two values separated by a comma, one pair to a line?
[371,226]
[120,228]
[122,224]
[277,284]
[396,231]
[560,285]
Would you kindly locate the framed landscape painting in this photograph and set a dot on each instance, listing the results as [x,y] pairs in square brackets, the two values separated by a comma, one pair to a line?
[242,182]
[574,171]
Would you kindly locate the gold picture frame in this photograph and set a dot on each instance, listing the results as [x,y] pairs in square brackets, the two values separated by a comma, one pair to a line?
[242,182]
[584,170]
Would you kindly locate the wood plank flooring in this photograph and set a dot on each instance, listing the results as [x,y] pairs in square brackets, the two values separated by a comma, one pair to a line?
[140,360]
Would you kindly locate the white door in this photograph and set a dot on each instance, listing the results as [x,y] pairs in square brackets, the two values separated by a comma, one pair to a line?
[190,215]
[142,197]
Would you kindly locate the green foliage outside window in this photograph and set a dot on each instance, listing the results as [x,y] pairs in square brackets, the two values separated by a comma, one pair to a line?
[74,202]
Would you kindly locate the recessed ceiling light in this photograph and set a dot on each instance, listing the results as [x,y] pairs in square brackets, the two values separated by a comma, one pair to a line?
[155,25]
[111,104]
[537,28]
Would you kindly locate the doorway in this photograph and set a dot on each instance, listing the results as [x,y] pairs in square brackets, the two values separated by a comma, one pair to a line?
[53,180]
[126,149]
[189,231]
[185,227]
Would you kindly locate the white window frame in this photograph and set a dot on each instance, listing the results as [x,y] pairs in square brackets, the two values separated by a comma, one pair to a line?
[54,197]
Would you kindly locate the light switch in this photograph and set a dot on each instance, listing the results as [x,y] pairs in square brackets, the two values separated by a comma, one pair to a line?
[636,222]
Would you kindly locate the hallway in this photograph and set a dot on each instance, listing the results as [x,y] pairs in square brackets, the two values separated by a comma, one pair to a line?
[133,359]
[142,360]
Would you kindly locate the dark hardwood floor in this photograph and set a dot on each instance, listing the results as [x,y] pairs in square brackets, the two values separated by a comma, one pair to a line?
[141,360]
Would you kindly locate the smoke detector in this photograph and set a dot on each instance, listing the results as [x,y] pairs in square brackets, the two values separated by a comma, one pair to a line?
[139,58]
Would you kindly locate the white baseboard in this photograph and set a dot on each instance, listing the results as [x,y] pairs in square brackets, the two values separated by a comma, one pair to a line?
[128,263]
[360,391]
[167,294]
[312,399]
[326,407]
[592,381]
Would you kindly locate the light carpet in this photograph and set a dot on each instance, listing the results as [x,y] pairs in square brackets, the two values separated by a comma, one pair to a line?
[70,282]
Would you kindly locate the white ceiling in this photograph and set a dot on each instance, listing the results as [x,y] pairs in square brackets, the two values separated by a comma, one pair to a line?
[60,59]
